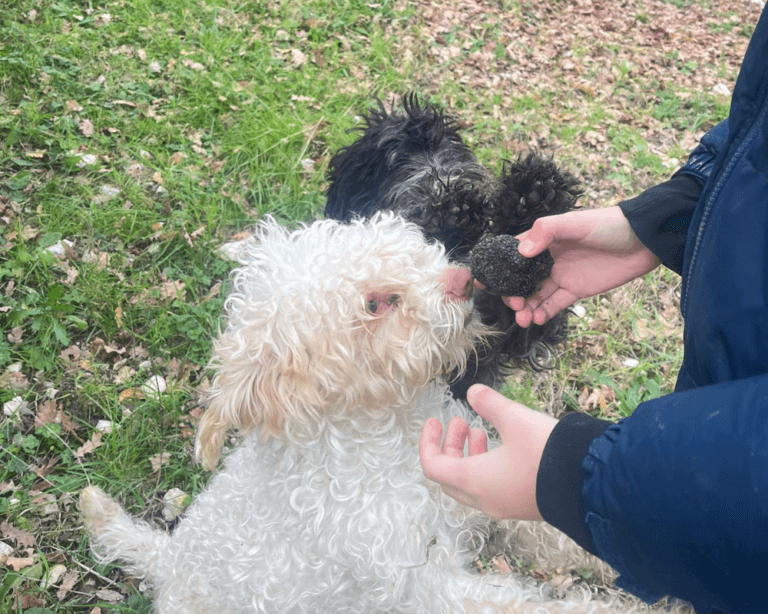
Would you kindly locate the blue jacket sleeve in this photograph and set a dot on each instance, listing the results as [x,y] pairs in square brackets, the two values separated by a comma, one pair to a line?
[675,497]
[702,159]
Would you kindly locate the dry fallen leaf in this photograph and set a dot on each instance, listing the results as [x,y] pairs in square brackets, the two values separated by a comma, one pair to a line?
[15,336]
[46,413]
[67,583]
[18,563]
[499,565]
[8,487]
[45,502]
[193,65]
[298,57]
[71,354]
[23,539]
[86,127]
[591,399]
[108,595]
[46,469]
[159,460]
[172,290]
[130,393]
[89,446]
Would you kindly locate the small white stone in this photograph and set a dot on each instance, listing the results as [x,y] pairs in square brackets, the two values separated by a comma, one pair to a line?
[104,426]
[59,249]
[16,406]
[85,160]
[578,310]
[671,163]
[721,89]
[630,362]
[110,190]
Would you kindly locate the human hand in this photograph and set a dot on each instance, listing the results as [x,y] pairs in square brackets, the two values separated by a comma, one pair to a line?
[501,483]
[594,251]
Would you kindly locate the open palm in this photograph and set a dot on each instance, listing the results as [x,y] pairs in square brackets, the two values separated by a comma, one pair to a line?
[594,251]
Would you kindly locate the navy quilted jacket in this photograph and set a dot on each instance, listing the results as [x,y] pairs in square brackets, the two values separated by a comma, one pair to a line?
[675,497]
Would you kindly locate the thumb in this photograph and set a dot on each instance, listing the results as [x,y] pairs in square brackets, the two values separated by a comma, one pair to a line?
[493,406]
[538,238]
[513,421]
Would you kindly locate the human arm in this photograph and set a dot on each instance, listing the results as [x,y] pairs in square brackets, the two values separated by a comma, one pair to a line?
[594,251]
[674,497]
[482,479]
[530,476]
[598,250]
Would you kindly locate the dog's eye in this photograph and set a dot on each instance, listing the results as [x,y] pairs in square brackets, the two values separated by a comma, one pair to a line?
[379,304]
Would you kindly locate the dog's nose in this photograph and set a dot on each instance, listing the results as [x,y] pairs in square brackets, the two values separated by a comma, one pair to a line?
[458,285]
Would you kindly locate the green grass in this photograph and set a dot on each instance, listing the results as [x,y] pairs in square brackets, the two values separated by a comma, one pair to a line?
[146,134]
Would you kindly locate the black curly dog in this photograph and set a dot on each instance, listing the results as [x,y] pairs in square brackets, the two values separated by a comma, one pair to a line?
[417,164]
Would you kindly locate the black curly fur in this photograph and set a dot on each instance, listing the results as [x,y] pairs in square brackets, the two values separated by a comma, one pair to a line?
[416,163]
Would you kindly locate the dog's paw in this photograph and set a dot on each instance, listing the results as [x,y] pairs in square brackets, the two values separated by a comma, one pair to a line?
[532,187]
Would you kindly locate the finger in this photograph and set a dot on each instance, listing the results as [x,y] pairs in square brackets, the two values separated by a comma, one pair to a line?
[455,437]
[515,303]
[493,406]
[550,300]
[445,469]
[478,442]
[553,305]
[524,318]
[570,226]
[537,239]
[429,444]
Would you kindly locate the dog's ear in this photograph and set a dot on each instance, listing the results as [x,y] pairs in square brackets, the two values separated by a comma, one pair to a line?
[248,392]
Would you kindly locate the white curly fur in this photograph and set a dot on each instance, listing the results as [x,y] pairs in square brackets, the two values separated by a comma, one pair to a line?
[331,361]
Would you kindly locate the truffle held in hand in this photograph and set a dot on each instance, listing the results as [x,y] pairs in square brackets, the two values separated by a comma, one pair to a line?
[496,263]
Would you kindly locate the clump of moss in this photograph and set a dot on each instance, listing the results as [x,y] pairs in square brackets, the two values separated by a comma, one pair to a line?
[496,263]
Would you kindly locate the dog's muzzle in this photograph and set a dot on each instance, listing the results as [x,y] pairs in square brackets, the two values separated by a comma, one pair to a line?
[457,284]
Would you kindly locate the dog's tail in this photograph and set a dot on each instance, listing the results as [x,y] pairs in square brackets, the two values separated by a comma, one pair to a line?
[115,535]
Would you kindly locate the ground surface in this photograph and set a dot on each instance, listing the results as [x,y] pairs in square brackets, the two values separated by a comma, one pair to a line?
[138,137]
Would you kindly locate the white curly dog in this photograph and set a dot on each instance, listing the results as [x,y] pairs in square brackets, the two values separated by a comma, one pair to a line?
[331,362]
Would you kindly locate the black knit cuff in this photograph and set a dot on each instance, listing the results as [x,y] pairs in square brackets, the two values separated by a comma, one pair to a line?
[560,476]
[660,217]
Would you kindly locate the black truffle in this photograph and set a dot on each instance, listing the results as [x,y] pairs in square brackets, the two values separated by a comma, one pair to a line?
[496,263]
